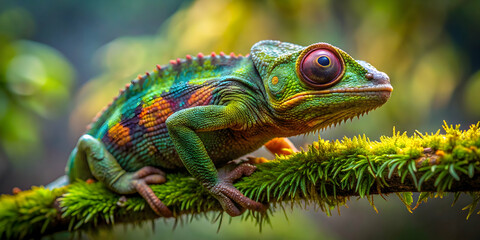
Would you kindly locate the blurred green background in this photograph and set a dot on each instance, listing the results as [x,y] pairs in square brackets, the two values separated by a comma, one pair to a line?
[62,61]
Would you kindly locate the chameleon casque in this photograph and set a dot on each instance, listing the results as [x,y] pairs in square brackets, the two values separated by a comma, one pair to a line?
[201,112]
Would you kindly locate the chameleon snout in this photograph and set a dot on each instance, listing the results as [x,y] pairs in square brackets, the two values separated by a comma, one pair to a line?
[373,75]
[378,78]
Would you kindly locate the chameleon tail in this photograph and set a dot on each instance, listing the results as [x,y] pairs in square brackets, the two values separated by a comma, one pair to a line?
[59,182]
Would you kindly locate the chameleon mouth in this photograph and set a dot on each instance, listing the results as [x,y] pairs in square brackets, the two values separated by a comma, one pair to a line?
[320,123]
[382,91]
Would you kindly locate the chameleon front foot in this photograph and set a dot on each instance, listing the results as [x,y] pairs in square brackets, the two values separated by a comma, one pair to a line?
[228,195]
[150,175]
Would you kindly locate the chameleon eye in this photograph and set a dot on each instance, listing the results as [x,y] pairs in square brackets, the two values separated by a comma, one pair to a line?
[321,67]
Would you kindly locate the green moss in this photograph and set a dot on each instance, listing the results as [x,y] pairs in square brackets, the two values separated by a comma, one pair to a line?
[29,212]
[325,175]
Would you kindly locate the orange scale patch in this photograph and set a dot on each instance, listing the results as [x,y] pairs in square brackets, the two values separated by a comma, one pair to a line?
[119,134]
[155,114]
[200,96]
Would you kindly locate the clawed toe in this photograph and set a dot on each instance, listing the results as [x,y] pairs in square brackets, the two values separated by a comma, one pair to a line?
[230,173]
[227,194]
[150,175]
[147,193]
[148,171]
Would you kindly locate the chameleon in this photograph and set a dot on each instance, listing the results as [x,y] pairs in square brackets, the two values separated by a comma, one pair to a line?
[199,113]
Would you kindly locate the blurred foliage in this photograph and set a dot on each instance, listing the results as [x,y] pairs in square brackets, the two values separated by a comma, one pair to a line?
[297,225]
[472,97]
[35,83]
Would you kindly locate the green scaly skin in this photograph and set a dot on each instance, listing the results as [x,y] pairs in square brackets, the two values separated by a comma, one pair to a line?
[200,112]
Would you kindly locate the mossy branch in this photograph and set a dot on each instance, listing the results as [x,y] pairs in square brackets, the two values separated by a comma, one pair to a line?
[326,175]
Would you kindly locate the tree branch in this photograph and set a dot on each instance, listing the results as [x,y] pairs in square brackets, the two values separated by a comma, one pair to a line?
[326,175]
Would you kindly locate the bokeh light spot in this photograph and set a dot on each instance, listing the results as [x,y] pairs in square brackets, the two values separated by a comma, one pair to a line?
[25,74]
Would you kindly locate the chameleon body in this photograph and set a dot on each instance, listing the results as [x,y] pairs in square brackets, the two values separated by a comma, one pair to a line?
[200,112]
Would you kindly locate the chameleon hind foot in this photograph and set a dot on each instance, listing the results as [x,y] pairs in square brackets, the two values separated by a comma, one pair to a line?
[91,159]
[256,160]
[281,146]
[150,175]
[228,195]
[277,146]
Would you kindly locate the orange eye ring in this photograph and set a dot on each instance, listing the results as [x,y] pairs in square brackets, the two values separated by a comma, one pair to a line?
[320,66]
[323,61]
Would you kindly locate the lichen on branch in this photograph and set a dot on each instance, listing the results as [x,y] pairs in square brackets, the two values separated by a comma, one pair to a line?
[325,175]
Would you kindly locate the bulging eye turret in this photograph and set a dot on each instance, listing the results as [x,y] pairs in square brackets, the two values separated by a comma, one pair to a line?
[321,66]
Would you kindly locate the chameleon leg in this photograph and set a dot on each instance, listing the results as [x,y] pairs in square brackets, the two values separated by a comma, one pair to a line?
[182,127]
[105,168]
[280,146]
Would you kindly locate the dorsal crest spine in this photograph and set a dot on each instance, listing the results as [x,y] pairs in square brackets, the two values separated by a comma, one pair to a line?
[141,82]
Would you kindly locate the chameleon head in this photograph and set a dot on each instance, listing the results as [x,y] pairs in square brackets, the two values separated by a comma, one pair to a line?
[313,87]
